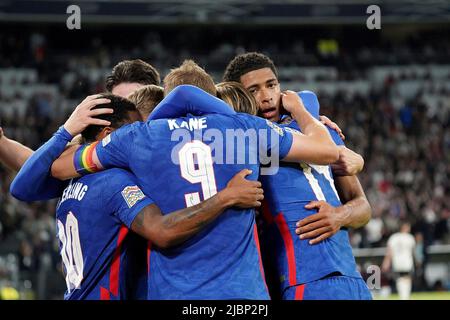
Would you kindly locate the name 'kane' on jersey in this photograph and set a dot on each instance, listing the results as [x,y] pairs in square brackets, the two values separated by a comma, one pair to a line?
[223,260]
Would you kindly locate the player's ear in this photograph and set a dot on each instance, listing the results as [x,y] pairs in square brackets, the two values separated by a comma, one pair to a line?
[104,132]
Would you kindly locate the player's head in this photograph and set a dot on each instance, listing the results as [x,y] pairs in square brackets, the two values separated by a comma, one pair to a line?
[234,94]
[189,73]
[146,99]
[257,73]
[130,75]
[124,111]
[405,227]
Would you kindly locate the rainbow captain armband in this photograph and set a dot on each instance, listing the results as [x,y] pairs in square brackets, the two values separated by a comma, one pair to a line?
[83,162]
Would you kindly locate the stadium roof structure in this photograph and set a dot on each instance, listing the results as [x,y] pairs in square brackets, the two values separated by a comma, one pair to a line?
[290,12]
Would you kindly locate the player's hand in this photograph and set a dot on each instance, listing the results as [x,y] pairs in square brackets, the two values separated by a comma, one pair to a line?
[83,115]
[326,121]
[321,225]
[349,163]
[1,133]
[244,193]
[291,101]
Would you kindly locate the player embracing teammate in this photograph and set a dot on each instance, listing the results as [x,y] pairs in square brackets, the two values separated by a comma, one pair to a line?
[222,261]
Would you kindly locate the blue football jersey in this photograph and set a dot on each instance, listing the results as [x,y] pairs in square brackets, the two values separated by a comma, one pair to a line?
[102,259]
[180,162]
[286,194]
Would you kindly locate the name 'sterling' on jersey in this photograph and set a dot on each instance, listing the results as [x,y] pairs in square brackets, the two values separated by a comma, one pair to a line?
[74,191]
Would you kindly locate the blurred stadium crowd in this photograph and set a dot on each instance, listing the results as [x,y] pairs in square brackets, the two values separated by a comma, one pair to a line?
[391,100]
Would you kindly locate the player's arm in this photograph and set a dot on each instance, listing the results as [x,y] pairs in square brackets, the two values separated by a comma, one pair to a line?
[186,99]
[172,229]
[386,265]
[357,207]
[416,261]
[63,168]
[12,153]
[311,103]
[77,160]
[33,182]
[354,213]
[349,163]
[332,125]
[315,145]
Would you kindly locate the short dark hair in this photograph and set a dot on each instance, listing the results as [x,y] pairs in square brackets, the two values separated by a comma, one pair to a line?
[121,106]
[132,71]
[189,73]
[246,62]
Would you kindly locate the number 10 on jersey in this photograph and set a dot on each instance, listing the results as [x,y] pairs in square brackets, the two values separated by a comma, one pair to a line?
[71,253]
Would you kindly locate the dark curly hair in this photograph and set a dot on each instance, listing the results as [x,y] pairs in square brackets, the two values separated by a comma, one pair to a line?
[118,118]
[246,62]
[132,71]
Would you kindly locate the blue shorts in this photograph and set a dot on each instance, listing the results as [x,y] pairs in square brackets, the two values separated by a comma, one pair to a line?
[330,288]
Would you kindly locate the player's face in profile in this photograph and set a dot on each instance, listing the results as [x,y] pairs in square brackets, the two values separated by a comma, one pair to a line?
[264,86]
[124,89]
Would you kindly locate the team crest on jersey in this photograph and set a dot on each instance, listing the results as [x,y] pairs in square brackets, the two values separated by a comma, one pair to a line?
[132,194]
[275,127]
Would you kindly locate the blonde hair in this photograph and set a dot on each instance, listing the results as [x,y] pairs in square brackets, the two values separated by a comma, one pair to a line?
[189,73]
[146,99]
[237,96]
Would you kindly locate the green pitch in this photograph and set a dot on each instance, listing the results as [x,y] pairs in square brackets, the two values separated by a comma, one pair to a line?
[419,296]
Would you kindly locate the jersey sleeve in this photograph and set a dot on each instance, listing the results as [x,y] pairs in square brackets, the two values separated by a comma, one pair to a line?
[34,182]
[336,137]
[187,99]
[333,133]
[126,198]
[310,102]
[271,137]
[115,149]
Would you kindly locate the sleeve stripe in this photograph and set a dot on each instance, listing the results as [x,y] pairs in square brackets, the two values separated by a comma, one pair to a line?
[87,157]
[83,159]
